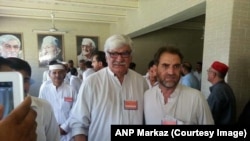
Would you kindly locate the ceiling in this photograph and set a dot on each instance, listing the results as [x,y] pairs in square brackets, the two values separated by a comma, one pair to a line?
[97,11]
[101,11]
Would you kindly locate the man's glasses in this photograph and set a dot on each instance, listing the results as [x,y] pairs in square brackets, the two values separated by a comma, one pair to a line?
[122,54]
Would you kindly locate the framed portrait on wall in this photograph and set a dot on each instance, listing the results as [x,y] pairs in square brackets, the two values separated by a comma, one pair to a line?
[50,47]
[11,45]
[86,45]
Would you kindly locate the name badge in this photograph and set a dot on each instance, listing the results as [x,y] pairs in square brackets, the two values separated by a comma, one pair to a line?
[68,99]
[130,104]
[168,122]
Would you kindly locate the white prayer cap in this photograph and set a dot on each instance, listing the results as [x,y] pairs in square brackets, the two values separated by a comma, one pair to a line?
[56,67]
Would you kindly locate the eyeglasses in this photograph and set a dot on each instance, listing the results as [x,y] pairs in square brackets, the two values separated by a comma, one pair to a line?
[122,54]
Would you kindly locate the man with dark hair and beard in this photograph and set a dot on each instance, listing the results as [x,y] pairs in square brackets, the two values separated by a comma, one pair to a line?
[166,103]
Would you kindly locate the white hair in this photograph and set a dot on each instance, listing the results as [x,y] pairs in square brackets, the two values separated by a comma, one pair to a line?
[117,41]
[50,40]
[8,37]
[88,41]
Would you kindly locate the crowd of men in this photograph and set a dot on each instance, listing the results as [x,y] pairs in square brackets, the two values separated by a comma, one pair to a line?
[81,104]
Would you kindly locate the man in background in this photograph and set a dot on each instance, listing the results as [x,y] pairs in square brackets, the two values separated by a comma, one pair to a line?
[70,66]
[151,75]
[221,99]
[99,60]
[198,71]
[88,71]
[75,82]
[132,65]
[81,68]
[61,96]
[188,78]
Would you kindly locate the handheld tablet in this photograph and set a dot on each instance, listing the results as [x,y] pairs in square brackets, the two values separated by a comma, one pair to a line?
[11,90]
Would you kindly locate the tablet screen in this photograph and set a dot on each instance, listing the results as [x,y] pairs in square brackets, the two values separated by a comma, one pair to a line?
[6,97]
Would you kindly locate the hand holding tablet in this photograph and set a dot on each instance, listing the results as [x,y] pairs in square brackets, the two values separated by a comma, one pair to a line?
[11,90]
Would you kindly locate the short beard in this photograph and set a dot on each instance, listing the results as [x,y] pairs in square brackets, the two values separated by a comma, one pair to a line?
[168,85]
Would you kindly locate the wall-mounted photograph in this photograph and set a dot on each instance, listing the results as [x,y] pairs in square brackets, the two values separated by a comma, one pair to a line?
[11,45]
[50,48]
[86,45]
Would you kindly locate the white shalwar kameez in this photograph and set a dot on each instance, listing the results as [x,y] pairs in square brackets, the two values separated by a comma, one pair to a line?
[47,127]
[100,104]
[186,105]
[75,82]
[62,100]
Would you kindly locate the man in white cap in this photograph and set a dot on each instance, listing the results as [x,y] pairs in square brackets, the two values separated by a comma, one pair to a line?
[61,96]
[87,48]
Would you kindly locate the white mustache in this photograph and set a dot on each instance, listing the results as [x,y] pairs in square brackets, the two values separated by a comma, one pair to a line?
[119,63]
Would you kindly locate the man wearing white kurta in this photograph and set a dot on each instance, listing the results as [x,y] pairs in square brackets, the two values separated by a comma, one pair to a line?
[112,95]
[75,82]
[61,96]
[188,106]
[169,102]
[47,127]
[45,117]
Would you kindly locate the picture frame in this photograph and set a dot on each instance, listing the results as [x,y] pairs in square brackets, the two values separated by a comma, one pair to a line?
[79,40]
[50,47]
[14,48]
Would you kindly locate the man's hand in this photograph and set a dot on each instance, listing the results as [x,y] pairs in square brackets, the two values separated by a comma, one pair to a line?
[20,124]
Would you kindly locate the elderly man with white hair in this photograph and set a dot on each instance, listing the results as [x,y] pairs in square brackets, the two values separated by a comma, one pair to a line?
[87,48]
[61,96]
[10,46]
[50,50]
[110,96]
